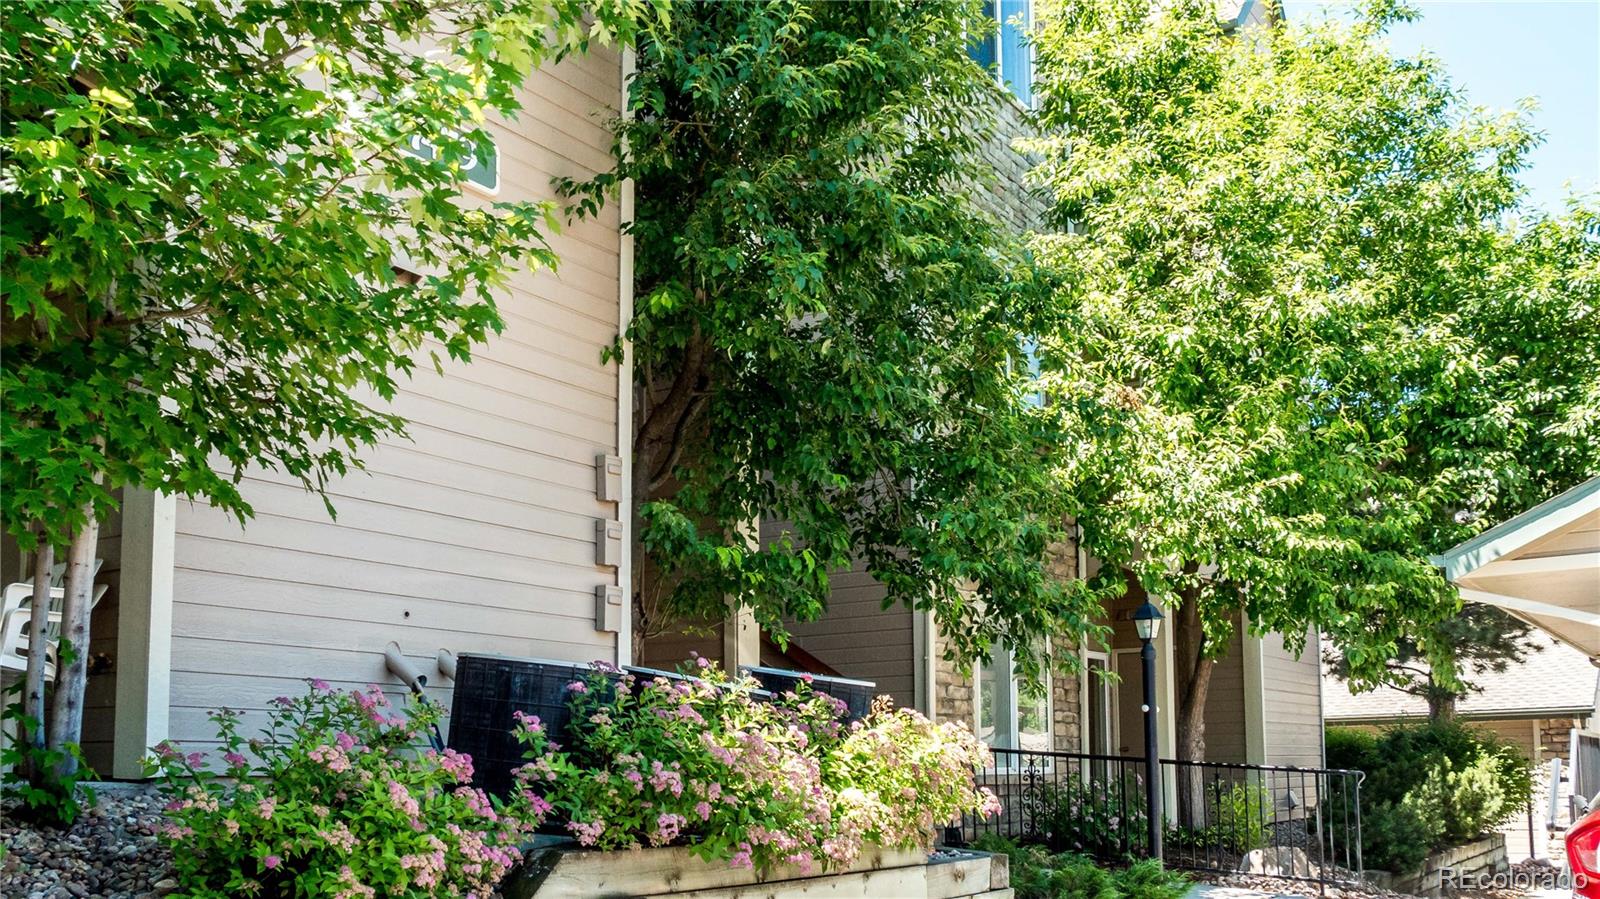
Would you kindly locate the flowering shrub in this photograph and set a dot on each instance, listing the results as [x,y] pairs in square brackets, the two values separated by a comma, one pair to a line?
[1102,815]
[333,800]
[705,762]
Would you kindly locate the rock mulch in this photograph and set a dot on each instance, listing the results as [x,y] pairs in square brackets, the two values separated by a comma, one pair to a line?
[111,852]
[1281,886]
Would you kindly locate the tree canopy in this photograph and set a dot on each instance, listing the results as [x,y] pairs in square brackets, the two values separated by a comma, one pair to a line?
[229,229]
[827,329]
[1309,335]
[205,205]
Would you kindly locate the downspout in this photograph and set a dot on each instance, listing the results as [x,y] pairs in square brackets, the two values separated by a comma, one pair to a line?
[624,653]
[1083,646]
[1322,734]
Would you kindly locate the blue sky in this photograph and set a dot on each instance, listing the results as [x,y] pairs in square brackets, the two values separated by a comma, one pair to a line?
[1501,51]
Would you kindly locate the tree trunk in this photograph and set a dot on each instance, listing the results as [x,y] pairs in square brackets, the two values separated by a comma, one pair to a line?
[1441,706]
[1194,684]
[72,668]
[1193,680]
[44,558]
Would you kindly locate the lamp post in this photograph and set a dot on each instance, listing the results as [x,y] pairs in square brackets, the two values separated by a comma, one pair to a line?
[1147,621]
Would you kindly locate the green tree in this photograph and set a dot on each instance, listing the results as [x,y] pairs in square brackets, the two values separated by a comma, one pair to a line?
[1309,338]
[205,207]
[1476,641]
[827,330]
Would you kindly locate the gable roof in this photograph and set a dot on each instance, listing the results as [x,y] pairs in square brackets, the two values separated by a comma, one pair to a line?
[1556,681]
[1542,566]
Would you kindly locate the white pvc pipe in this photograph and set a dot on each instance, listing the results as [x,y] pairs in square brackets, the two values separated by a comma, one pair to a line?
[401,667]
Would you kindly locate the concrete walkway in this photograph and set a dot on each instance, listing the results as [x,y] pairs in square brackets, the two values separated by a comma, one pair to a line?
[1215,891]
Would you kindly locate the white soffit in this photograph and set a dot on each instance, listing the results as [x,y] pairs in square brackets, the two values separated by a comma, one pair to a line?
[1542,566]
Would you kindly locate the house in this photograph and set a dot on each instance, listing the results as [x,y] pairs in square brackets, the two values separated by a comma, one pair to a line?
[1533,705]
[1543,567]
[1264,704]
[498,527]
[501,525]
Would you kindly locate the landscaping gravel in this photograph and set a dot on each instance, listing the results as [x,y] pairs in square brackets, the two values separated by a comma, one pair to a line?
[111,852]
[1278,886]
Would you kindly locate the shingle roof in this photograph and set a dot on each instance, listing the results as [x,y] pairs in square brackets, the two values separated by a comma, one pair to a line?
[1557,681]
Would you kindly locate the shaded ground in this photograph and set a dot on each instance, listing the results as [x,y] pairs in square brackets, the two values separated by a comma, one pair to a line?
[111,852]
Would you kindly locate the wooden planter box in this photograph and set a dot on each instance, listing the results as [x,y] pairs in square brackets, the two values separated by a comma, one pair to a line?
[560,872]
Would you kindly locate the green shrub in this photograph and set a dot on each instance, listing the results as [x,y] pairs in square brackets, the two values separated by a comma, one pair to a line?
[755,783]
[1147,879]
[1038,874]
[1102,818]
[334,799]
[1240,815]
[1398,836]
[1347,747]
[1428,786]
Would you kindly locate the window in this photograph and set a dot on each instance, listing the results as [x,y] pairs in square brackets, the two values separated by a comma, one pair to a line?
[1010,717]
[481,169]
[1006,52]
[1030,355]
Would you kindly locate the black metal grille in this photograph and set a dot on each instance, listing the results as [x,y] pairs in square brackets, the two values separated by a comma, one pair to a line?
[1305,821]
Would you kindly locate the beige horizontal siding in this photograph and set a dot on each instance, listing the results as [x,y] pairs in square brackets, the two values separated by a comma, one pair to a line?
[861,639]
[1293,700]
[476,534]
[100,693]
[1225,711]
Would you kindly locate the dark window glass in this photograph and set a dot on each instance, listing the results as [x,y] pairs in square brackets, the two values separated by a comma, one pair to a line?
[983,50]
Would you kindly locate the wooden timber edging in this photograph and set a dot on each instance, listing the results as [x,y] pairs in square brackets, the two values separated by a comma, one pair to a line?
[562,872]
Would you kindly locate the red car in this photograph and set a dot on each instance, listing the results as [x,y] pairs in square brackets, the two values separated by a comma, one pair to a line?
[1583,853]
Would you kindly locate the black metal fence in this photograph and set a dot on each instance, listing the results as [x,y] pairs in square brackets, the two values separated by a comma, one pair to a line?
[1299,823]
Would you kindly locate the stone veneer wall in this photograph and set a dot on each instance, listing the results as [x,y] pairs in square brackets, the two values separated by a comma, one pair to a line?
[1009,198]
[953,693]
[1555,737]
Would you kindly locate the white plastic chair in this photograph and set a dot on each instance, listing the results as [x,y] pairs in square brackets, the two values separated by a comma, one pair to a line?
[16,612]
[14,641]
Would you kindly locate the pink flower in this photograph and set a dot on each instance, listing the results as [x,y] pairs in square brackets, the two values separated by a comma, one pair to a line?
[271,861]
[703,809]
[529,722]
[667,827]
[403,800]
[537,804]
[587,832]
[332,756]
[345,741]
[235,759]
[458,764]
[266,807]
[320,685]
[577,686]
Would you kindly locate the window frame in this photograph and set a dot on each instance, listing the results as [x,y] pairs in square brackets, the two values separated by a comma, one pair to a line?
[1015,697]
[998,71]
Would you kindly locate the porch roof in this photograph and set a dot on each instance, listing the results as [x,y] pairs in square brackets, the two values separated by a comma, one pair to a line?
[1542,566]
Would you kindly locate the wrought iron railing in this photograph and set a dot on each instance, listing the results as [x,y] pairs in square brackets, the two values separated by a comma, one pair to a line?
[1298,823]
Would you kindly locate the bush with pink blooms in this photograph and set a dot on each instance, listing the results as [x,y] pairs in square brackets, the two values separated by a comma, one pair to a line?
[334,799]
[706,762]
